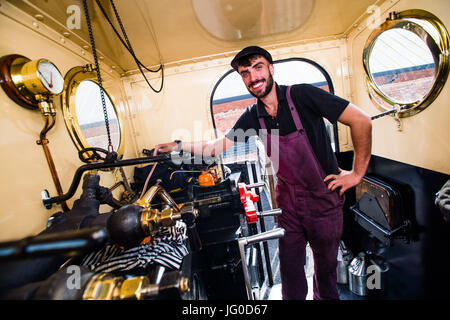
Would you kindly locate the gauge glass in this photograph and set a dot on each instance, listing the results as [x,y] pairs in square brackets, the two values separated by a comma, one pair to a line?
[51,77]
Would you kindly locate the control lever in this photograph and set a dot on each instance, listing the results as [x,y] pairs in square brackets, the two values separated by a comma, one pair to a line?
[242,242]
[247,199]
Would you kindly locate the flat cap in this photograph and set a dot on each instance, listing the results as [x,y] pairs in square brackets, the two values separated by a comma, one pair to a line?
[248,51]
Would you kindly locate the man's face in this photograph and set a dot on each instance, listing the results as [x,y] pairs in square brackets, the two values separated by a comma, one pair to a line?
[258,76]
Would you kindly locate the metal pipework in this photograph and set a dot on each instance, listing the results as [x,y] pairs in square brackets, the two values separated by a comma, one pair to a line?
[154,190]
[48,111]
[152,219]
[104,286]
[255,185]
[242,242]
[145,200]
[101,165]
[269,213]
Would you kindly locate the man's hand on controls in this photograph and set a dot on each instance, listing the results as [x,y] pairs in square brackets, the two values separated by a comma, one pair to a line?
[344,180]
[165,147]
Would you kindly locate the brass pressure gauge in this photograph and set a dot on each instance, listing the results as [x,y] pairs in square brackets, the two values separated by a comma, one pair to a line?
[29,82]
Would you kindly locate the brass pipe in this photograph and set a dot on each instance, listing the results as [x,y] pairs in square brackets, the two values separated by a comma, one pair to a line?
[44,142]
[168,199]
[154,190]
[149,195]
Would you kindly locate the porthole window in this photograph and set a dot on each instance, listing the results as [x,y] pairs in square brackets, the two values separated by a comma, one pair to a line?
[83,112]
[406,61]
[230,98]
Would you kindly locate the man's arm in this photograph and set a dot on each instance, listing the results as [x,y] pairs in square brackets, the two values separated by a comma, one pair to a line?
[201,148]
[361,132]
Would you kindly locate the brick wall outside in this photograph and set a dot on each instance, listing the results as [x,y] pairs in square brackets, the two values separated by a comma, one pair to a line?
[406,86]
[96,135]
[226,114]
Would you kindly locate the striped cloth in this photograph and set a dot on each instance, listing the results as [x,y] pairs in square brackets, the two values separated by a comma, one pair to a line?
[166,248]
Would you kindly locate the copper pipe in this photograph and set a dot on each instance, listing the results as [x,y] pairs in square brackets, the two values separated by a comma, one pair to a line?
[44,141]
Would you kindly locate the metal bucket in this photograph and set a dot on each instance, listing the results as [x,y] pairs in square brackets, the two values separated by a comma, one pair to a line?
[367,276]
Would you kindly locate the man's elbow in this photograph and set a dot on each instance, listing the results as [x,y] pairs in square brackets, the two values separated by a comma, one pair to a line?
[367,122]
[362,120]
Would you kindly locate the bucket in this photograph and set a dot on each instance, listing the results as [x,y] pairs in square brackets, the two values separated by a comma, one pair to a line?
[367,274]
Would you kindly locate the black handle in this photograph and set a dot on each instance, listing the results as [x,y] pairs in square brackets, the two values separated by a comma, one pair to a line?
[68,243]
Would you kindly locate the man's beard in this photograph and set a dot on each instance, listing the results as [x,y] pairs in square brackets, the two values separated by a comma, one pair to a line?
[269,86]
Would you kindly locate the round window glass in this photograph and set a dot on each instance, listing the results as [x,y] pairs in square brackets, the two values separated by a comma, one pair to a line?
[89,111]
[83,112]
[406,61]
[402,66]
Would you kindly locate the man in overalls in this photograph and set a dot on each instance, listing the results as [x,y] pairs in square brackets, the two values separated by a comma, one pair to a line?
[310,186]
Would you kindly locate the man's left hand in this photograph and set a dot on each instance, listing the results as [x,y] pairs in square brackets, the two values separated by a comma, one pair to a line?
[344,180]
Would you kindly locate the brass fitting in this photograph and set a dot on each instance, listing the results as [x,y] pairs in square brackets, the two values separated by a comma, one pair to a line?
[103,286]
[184,284]
[168,217]
[152,219]
[132,288]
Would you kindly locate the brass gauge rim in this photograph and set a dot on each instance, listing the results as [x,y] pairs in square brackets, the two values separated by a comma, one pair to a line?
[12,82]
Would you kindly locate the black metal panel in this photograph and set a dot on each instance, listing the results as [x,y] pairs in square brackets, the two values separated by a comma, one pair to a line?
[419,270]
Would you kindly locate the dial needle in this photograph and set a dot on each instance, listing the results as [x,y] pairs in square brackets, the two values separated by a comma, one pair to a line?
[50,85]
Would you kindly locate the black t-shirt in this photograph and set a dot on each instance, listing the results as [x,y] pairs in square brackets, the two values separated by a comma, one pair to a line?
[312,104]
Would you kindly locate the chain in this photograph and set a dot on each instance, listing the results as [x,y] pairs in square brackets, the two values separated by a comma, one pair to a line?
[129,48]
[99,78]
[126,38]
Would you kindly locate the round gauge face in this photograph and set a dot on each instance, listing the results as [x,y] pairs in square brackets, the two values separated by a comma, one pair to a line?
[51,77]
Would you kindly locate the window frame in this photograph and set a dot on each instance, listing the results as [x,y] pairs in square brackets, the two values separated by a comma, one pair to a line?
[73,78]
[441,58]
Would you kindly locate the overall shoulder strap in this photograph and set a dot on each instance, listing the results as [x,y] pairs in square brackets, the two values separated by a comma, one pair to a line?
[293,109]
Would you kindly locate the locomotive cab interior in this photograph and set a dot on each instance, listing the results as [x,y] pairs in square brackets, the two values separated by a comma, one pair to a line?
[90,87]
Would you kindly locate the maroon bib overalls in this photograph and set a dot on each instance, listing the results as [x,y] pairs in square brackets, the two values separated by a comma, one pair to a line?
[311,213]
